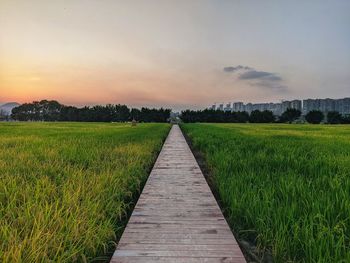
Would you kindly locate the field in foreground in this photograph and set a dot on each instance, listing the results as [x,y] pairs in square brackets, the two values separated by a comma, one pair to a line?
[284,187]
[65,188]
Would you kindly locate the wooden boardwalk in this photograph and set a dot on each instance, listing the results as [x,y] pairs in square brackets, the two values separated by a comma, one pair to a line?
[177,218]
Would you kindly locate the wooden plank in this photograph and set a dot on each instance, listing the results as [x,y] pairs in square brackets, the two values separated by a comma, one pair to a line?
[176,247]
[176,218]
[178,253]
[176,260]
[161,241]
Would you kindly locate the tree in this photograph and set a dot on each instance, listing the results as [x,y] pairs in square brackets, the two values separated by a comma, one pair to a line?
[265,116]
[290,115]
[216,116]
[24,112]
[334,117]
[135,114]
[45,110]
[346,119]
[69,113]
[255,116]
[314,116]
[154,115]
[122,113]
[49,110]
[242,116]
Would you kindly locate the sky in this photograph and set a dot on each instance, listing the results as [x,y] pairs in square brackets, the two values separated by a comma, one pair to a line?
[178,54]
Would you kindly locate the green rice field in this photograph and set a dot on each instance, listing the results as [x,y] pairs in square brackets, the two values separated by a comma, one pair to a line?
[284,188]
[66,188]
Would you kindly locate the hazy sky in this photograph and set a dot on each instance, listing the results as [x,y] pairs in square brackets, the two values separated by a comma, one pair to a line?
[178,53]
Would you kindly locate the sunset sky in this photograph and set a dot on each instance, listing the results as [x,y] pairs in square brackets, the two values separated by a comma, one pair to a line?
[178,54]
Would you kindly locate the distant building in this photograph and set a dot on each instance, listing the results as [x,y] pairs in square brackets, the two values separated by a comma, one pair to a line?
[221,107]
[248,107]
[228,107]
[327,105]
[237,106]
[212,107]
[342,106]
[296,104]
[276,108]
[310,104]
[324,105]
[285,106]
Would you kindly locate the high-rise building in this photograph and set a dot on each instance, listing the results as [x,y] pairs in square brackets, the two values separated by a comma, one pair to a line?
[338,105]
[237,106]
[285,105]
[276,108]
[296,104]
[228,107]
[346,106]
[342,106]
[310,104]
[324,105]
[248,107]
[327,105]
[221,106]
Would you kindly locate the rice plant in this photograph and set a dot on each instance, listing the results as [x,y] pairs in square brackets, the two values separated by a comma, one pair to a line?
[285,188]
[66,188]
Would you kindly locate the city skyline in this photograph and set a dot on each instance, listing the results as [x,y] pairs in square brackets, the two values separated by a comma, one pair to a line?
[341,105]
[176,54]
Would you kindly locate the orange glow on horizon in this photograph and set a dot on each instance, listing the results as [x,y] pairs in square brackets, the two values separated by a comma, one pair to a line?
[171,53]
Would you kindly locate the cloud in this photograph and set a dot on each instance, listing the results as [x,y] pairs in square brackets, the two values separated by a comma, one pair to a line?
[237,68]
[257,78]
[253,74]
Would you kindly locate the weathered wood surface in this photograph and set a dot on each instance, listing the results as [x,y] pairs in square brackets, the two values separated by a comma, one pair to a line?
[177,218]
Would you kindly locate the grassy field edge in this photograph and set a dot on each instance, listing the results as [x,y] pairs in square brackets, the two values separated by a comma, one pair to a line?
[282,187]
[67,189]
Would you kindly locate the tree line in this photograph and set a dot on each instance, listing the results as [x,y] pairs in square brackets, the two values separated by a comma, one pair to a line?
[256,116]
[51,110]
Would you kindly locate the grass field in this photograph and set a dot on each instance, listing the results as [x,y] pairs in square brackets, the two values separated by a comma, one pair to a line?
[284,187]
[65,188]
